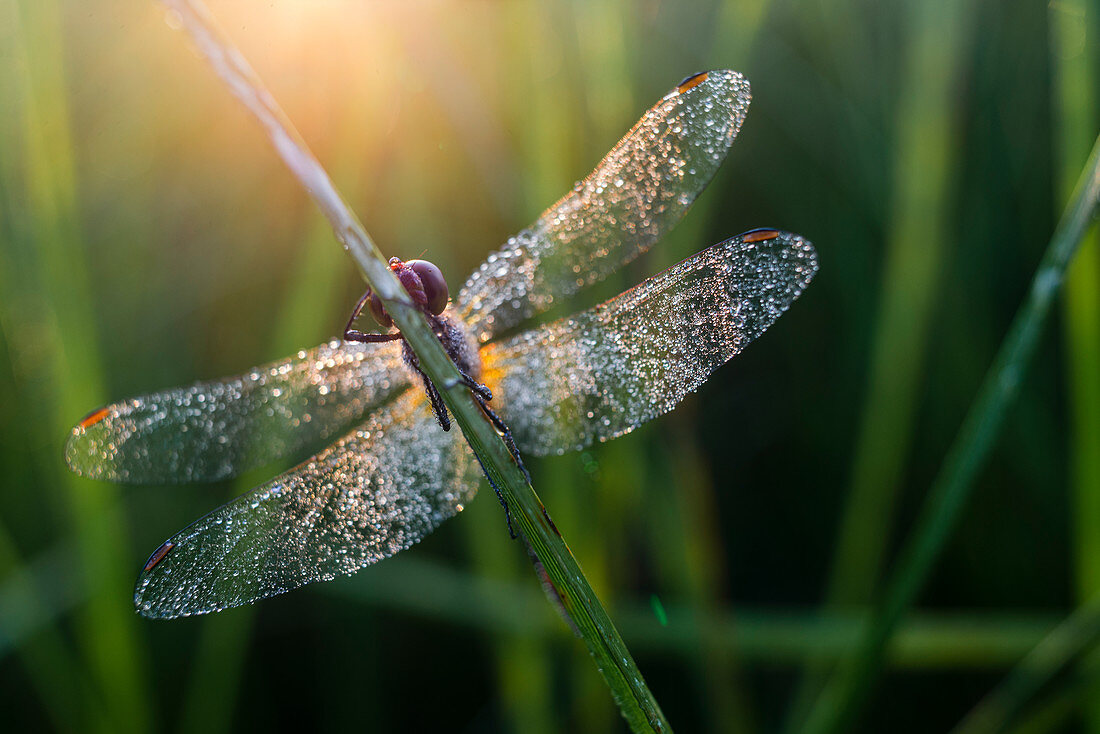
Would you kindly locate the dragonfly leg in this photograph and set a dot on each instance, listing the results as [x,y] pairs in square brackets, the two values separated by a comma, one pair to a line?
[482,391]
[357,310]
[500,496]
[354,335]
[434,397]
[505,432]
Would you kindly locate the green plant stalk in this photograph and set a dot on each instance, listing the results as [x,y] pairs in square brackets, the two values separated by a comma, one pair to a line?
[908,296]
[1073,60]
[1065,643]
[579,602]
[1058,711]
[25,613]
[920,205]
[844,695]
[24,605]
[926,641]
[411,584]
[49,284]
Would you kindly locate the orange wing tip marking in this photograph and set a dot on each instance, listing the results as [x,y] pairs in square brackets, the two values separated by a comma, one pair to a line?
[158,555]
[759,235]
[94,417]
[692,81]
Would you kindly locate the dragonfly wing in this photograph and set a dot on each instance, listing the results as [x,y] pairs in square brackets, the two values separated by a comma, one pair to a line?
[635,195]
[372,494]
[216,429]
[608,370]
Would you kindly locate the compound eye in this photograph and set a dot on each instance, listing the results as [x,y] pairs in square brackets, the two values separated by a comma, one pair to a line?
[378,311]
[435,286]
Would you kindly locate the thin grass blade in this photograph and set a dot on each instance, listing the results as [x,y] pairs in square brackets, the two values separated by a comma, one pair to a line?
[845,694]
[614,661]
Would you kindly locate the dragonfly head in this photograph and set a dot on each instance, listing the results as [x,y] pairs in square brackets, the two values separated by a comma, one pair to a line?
[424,283]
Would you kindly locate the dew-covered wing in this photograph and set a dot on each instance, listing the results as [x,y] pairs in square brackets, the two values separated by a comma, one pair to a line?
[635,195]
[372,494]
[608,370]
[216,429]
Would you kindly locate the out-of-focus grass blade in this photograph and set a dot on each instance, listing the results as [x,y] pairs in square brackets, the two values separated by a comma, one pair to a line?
[842,700]
[907,297]
[1055,712]
[32,597]
[771,636]
[774,636]
[1073,52]
[62,373]
[214,682]
[1077,634]
[26,607]
[685,539]
[919,232]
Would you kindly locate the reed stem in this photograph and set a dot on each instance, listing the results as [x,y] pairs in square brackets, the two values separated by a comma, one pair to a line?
[839,704]
[635,701]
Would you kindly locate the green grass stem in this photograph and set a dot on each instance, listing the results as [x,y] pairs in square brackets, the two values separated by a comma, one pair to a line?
[921,205]
[49,285]
[843,698]
[1073,59]
[1064,645]
[774,636]
[614,661]
[1056,711]
[28,605]
[919,230]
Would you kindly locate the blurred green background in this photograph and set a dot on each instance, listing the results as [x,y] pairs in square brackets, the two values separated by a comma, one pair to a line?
[149,237]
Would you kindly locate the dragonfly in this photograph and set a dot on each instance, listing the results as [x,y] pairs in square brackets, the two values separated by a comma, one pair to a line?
[389,475]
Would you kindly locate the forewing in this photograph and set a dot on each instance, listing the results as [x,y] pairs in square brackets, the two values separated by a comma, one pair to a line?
[372,494]
[610,369]
[635,195]
[216,429]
